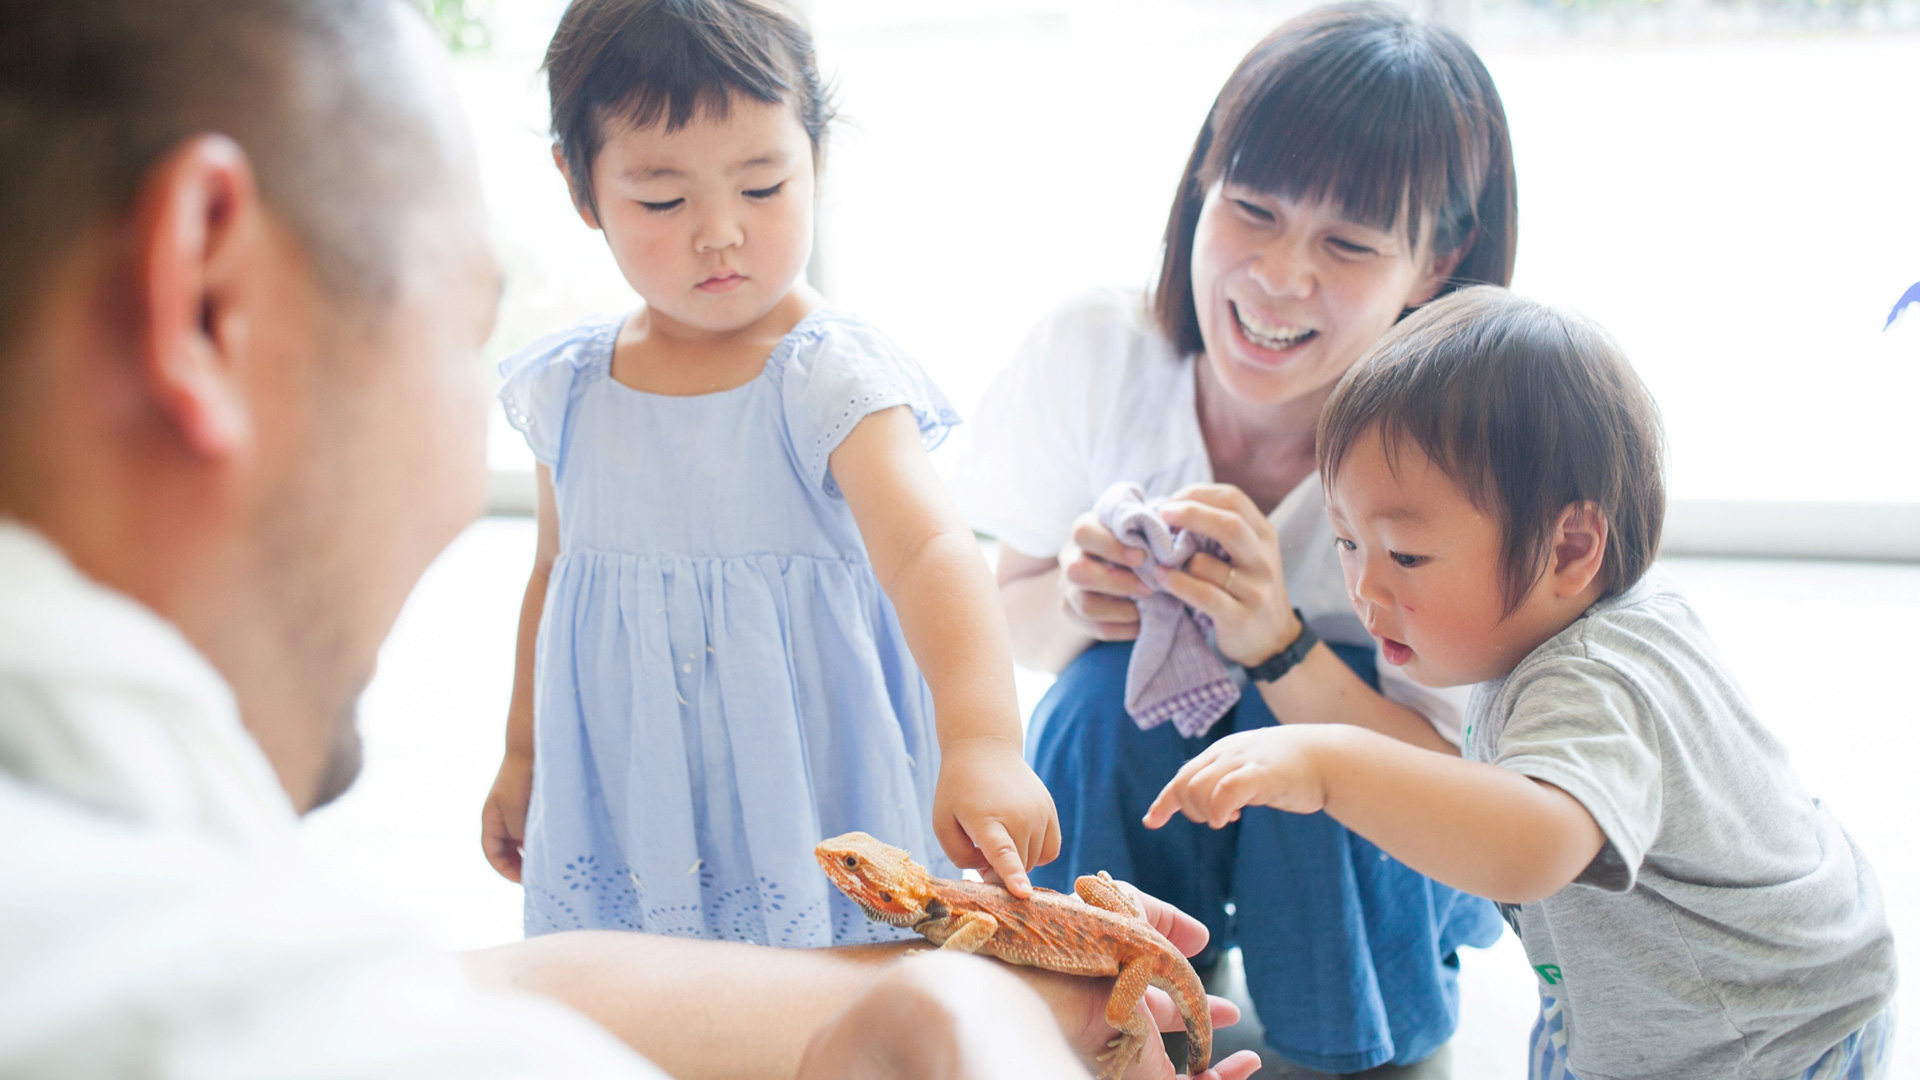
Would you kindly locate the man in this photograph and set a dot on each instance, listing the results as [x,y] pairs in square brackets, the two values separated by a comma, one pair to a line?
[243,280]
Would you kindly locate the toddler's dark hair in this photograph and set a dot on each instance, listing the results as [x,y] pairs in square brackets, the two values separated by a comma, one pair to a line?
[1528,409]
[639,61]
[1394,121]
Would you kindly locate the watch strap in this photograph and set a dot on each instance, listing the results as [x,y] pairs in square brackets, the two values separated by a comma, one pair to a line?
[1277,665]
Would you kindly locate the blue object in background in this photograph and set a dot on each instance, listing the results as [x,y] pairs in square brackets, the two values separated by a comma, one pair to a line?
[1907,299]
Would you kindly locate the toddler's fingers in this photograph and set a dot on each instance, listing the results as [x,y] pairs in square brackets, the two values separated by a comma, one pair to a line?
[954,840]
[1004,856]
[1164,804]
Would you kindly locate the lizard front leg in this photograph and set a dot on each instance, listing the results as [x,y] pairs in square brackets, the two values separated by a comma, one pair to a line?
[976,929]
[1104,892]
[1128,989]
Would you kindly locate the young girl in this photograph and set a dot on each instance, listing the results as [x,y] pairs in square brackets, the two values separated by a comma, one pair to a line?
[1494,482]
[745,562]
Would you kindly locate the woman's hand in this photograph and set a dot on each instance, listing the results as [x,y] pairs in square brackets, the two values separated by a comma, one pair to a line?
[992,814]
[1276,766]
[1247,599]
[503,820]
[1098,588]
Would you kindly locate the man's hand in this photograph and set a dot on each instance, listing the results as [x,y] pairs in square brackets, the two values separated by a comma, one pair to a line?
[991,813]
[503,819]
[942,1016]
[1277,767]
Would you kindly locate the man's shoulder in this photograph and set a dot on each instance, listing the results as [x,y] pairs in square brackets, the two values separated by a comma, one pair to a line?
[238,961]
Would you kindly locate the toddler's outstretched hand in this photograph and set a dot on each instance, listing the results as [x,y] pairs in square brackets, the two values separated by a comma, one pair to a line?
[992,813]
[1275,767]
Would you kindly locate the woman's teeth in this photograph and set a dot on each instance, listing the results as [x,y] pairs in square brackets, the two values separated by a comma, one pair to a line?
[1268,336]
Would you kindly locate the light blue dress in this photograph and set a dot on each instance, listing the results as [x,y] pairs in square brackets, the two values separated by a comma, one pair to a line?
[719,682]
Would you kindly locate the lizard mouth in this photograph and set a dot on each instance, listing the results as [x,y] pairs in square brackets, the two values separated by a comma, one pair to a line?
[893,918]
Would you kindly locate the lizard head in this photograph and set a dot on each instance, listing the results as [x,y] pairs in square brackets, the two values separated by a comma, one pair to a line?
[884,880]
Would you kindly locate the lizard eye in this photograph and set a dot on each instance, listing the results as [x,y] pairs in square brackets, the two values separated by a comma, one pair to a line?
[853,860]
[886,898]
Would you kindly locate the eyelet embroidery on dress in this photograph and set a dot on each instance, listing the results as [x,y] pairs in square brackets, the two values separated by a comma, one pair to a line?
[744,913]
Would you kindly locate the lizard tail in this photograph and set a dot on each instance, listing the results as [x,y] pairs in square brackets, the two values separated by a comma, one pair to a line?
[1191,996]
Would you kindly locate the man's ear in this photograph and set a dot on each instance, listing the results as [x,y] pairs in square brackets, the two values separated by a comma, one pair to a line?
[1439,270]
[574,190]
[1579,548]
[199,237]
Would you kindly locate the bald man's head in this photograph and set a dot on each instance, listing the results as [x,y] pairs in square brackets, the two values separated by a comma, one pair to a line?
[317,93]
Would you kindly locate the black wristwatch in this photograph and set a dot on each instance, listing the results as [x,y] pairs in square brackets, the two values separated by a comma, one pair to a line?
[1277,665]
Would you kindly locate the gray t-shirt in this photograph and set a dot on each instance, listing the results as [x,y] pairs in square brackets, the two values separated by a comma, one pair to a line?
[1729,926]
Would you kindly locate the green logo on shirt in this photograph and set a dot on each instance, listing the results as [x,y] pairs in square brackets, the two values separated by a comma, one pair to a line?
[1550,973]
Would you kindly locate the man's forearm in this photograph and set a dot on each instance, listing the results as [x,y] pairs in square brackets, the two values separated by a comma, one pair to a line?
[687,1004]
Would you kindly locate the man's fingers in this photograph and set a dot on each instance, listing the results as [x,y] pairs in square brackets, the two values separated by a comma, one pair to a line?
[1187,933]
[1166,1015]
[1242,1064]
[1004,856]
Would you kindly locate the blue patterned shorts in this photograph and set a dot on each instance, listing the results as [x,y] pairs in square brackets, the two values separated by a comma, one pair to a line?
[1863,1055]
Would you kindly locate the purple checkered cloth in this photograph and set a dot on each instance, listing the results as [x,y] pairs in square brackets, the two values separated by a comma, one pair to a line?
[1174,673]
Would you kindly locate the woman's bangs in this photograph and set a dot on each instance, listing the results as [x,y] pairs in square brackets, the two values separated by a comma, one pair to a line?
[1362,136]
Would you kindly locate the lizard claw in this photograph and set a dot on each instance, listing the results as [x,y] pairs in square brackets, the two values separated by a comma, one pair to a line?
[1121,1052]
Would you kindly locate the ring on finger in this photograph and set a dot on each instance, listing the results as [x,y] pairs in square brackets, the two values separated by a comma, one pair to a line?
[1228,584]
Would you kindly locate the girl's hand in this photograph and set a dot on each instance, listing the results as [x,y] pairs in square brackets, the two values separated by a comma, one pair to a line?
[503,820]
[1247,599]
[1279,767]
[992,814]
[1098,588]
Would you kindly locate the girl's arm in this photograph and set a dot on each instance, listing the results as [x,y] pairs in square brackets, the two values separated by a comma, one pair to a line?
[1477,827]
[990,810]
[503,820]
[1253,619]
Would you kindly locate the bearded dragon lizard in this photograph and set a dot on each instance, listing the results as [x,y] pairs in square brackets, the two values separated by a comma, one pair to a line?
[1106,935]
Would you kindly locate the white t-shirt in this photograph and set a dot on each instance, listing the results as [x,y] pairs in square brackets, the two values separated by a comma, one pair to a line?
[1096,395]
[155,917]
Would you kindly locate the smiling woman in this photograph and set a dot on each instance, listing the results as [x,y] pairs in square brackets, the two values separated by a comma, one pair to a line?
[1356,165]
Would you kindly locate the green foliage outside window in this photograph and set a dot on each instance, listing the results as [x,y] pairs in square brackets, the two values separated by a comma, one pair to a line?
[465,25]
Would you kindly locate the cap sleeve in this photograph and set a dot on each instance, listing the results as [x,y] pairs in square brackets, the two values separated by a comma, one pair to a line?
[540,383]
[1581,726]
[837,371]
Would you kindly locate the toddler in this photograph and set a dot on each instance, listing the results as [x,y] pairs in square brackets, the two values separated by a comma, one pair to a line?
[746,564]
[1493,475]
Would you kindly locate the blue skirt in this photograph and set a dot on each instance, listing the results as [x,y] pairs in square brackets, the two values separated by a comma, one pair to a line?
[1349,955]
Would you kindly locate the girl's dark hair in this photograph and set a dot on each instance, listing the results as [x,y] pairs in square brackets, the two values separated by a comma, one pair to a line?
[638,61]
[1528,409]
[1394,121]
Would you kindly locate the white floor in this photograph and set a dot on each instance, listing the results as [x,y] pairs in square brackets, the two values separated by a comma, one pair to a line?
[1820,647]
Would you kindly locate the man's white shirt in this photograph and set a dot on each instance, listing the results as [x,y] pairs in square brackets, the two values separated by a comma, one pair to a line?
[156,918]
